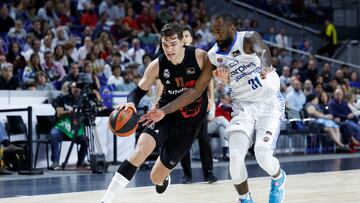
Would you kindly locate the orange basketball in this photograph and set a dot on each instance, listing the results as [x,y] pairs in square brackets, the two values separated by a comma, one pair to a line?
[123,122]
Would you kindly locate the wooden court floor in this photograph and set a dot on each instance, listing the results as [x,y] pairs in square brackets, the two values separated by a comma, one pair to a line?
[328,187]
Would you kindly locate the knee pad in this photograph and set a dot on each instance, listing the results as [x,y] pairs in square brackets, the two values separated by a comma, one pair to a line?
[238,146]
[266,160]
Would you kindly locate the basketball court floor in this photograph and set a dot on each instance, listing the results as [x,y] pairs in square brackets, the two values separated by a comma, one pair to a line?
[315,178]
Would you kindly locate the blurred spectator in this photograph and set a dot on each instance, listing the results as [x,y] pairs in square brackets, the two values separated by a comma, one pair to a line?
[324,102]
[48,14]
[41,82]
[326,72]
[116,78]
[108,7]
[308,87]
[101,26]
[89,70]
[217,125]
[73,74]
[89,17]
[148,40]
[17,32]
[282,39]
[126,59]
[35,49]
[136,52]
[295,99]
[270,36]
[284,58]
[224,107]
[129,19]
[6,21]
[311,70]
[17,11]
[285,79]
[346,70]
[331,37]
[15,55]
[354,80]
[146,20]
[54,71]
[59,57]
[146,61]
[7,80]
[30,70]
[64,14]
[47,44]
[36,29]
[119,31]
[353,105]
[339,108]
[61,36]
[81,5]
[339,76]
[325,120]
[128,82]
[85,49]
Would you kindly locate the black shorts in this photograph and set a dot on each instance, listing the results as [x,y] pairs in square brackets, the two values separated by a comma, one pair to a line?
[174,140]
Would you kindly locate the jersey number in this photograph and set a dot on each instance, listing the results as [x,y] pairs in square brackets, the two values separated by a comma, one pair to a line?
[255,83]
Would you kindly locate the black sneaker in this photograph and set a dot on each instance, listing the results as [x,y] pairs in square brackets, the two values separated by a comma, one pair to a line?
[210,178]
[161,188]
[186,180]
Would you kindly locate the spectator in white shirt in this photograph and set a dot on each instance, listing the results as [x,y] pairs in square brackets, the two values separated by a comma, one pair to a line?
[281,39]
[136,52]
[116,78]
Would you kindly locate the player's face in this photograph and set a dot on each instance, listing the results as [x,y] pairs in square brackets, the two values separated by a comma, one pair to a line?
[172,47]
[223,33]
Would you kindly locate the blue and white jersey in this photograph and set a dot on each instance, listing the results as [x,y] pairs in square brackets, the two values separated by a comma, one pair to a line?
[244,72]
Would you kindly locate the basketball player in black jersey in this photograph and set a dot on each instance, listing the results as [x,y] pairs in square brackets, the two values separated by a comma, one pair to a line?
[178,70]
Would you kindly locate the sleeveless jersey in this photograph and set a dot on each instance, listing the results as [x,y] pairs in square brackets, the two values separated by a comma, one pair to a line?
[176,79]
[244,72]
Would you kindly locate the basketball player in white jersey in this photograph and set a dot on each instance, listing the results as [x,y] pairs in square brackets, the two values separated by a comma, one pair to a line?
[244,62]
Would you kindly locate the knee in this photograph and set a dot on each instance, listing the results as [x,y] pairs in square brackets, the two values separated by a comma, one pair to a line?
[263,156]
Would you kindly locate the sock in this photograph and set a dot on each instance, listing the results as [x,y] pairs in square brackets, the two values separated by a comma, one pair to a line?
[279,177]
[121,178]
[244,196]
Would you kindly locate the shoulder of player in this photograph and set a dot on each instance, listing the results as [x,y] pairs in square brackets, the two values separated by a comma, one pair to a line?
[200,57]
[153,66]
[251,36]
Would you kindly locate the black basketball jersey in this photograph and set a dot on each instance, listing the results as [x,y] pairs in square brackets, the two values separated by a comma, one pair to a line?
[176,79]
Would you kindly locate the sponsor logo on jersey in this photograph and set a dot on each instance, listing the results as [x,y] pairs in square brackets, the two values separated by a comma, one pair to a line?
[190,71]
[219,60]
[167,82]
[175,92]
[236,53]
[240,69]
[166,73]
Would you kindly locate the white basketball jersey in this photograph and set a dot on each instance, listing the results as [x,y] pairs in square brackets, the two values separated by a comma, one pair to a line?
[244,72]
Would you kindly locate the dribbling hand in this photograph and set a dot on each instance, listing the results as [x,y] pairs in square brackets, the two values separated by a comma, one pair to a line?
[222,74]
[264,72]
[126,106]
[152,117]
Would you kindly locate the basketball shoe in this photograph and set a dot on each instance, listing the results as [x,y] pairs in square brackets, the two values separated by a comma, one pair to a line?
[277,192]
[247,199]
[161,188]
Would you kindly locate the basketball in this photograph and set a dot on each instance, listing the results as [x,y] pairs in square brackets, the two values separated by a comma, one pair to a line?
[123,122]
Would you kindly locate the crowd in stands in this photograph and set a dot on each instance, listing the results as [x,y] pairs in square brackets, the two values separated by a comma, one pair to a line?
[45,44]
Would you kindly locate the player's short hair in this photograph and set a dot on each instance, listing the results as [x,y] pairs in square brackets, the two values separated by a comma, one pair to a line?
[171,29]
[227,17]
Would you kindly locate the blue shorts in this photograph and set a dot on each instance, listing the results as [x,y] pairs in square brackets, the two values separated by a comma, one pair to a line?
[327,123]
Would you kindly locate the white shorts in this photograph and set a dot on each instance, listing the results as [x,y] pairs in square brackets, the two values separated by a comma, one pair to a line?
[263,117]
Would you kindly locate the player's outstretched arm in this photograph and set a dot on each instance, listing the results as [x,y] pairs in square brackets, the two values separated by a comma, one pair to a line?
[184,99]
